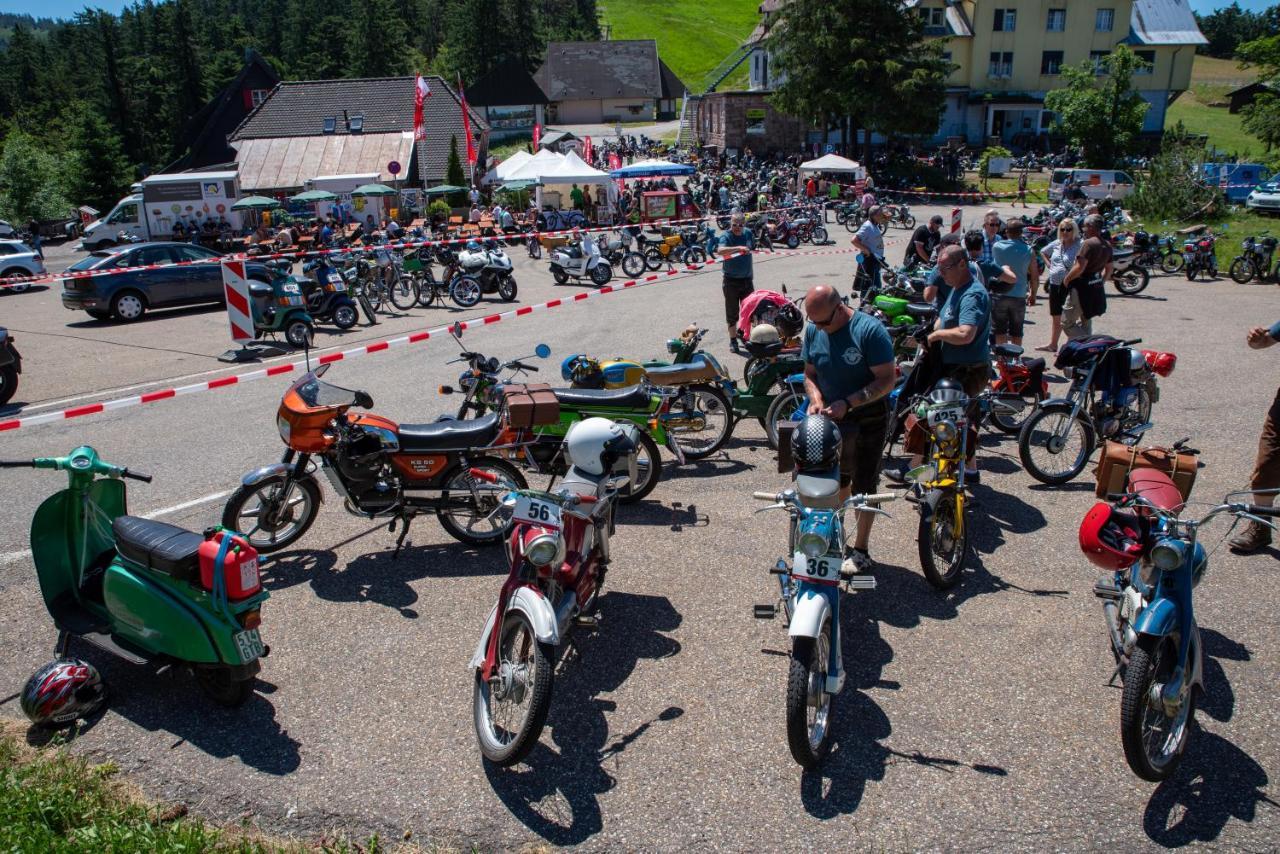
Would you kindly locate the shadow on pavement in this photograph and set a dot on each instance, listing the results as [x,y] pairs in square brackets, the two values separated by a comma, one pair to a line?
[554,793]
[1219,700]
[677,517]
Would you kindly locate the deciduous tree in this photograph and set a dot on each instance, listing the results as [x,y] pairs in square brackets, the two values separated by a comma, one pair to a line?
[1101,114]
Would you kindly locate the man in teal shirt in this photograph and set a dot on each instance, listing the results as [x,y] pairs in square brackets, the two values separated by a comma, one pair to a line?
[848,371]
[1009,310]
[963,328]
[737,282]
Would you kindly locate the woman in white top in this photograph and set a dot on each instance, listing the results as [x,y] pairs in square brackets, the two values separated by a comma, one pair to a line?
[1059,257]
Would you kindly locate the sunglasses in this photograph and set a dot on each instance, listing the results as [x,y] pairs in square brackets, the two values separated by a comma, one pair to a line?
[830,317]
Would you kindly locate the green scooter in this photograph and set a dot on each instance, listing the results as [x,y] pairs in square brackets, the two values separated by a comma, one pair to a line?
[146,591]
[281,307]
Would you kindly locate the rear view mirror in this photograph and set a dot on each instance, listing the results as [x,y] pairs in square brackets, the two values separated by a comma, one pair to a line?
[456,330]
[542,351]
[364,400]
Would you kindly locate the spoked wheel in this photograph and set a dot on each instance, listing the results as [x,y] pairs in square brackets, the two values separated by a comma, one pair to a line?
[781,409]
[943,540]
[1013,408]
[852,224]
[270,516]
[404,293]
[808,703]
[510,708]
[1132,281]
[218,685]
[909,223]
[633,264]
[373,293]
[1153,740]
[648,471]
[427,292]
[819,235]
[465,291]
[478,519]
[1173,262]
[700,420]
[1241,271]
[653,259]
[1053,446]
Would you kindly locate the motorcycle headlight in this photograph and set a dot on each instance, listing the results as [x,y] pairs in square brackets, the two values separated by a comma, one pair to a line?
[1168,554]
[812,544]
[944,432]
[467,381]
[544,549]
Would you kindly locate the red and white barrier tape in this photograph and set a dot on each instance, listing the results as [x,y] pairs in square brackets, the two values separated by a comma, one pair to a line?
[367,349]
[347,250]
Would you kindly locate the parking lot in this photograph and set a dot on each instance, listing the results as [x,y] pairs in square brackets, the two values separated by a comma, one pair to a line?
[978,719]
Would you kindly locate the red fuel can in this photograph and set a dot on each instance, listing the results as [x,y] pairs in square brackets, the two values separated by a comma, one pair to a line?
[240,566]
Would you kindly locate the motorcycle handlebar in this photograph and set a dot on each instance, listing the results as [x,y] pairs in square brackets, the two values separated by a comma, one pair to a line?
[1131,342]
[135,475]
[765,496]
[17,464]
[522,366]
[880,497]
[1265,510]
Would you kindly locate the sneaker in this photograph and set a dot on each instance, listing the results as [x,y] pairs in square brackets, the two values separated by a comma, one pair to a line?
[1253,538]
[856,561]
[897,475]
[733,347]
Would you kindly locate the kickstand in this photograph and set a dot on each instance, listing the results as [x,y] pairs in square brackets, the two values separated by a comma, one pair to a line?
[1114,674]
[404,532]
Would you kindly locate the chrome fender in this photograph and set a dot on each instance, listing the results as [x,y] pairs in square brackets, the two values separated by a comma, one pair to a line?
[809,613]
[258,475]
[533,605]
[1056,401]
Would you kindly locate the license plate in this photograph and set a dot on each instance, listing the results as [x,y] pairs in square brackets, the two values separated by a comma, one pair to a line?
[536,511]
[824,568]
[945,413]
[249,644]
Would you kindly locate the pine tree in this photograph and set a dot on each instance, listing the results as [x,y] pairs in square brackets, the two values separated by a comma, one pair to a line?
[98,171]
[379,45]
[454,175]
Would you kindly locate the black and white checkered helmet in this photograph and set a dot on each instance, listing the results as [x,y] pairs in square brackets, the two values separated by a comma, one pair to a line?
[815,444]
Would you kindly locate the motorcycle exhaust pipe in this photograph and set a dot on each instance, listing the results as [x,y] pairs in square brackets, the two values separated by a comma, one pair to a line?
[1112,612]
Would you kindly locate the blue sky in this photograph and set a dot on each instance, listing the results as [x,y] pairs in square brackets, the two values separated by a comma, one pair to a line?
[67,8]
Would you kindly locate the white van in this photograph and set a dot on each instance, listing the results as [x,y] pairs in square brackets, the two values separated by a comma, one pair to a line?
[159,202]
[1096,183]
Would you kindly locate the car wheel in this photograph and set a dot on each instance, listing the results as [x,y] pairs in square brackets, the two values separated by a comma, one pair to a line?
[128,306]
[16,273]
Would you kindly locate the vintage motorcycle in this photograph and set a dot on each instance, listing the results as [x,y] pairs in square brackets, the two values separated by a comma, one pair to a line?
[10,367]
[488,265]
[1020,384]
[1254,261]
[1153,562]
[1112,390]
[382,470]
[1128,274]
[558,550]
[1200,257]
[810,587]
[145,591]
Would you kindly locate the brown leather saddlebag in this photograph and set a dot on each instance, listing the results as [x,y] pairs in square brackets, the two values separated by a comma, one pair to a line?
[1118,459]
[531,405]
[697,371]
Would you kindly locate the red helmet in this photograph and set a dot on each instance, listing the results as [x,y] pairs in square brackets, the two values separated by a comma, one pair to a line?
[1162,363]
[1110,539]
[62,692]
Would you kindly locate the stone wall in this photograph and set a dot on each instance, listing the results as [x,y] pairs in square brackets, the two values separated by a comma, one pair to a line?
[722,122]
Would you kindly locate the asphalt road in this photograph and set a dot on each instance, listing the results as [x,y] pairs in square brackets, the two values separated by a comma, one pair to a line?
[975,720]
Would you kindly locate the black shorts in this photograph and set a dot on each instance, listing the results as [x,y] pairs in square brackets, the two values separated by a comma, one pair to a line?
[735,291]
[973,377]
[1008,315]
[1057,298]
[862,435]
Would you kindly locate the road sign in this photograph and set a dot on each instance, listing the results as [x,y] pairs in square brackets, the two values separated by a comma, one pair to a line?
[393,167]
[239,311]
[830,148]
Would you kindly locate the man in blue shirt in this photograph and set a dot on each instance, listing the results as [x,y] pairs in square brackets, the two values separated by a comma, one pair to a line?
[990,233]
[848,371]
[1009,310]
[737,281]
[1266,470]
[869,241]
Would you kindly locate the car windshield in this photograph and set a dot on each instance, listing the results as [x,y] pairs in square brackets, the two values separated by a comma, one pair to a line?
[317,393]
[94,261]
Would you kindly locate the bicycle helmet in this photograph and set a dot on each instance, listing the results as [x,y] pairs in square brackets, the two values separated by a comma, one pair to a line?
[61,692]
[788,321]
[1109,538]
[815,444]
[595,445]
[946,391]
[764,334]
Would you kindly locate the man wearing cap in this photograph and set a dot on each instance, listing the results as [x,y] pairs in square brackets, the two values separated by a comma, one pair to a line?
[923,241]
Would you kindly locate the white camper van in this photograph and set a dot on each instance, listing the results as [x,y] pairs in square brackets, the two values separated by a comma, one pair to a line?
[159,202]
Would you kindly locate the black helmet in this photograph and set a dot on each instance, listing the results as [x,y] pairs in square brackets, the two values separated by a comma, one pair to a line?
[946,391]
[62,692]
[815,444]
[788,321]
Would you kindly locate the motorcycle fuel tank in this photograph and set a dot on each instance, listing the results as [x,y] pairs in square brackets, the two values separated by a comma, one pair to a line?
[620,373]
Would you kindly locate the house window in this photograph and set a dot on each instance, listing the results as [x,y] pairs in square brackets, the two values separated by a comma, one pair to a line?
[257,96]
[1098,59]
[1057,20]
[1051,62]
[1148,60]
[946,56]
[1001,64]
[935,18]
[1006,20]
[1104,21]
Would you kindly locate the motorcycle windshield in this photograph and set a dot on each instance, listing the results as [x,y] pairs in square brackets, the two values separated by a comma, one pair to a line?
[317,394]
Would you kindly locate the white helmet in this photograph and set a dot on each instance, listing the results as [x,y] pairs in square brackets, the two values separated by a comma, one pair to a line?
[595,444]
[764,333]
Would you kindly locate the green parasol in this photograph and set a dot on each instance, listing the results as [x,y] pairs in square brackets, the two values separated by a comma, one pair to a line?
[255,203]
[373,190]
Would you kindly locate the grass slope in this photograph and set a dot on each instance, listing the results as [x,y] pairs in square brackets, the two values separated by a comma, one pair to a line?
[1197,109]
[693,36]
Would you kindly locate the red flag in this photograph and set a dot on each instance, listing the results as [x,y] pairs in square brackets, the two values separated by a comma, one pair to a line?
[537,134]
[466,126]
[587,149]
[421,92]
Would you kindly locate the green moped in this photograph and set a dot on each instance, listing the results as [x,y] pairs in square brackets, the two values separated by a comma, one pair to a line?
[136,588]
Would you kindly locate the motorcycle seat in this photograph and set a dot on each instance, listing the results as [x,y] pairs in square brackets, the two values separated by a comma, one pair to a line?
[159,546]
[697,371]
[1156,486]
[450,435]
[819,489]
[763,351]
[1007,351]
[633,397]
[921,310]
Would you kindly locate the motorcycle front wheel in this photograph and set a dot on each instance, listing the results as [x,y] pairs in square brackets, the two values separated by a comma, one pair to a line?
[648,471]
[781,409]
[633,264]
[269,516]
[507,289]
[1172,263]
[1132,281]
[808,703]
[465,291]
[1241,271]
[943,551]
[819,236]
[710,405]
[601,274]
[1153,742]
[1045,456]
[345,316]
[298,333]
[484,521]
[511,708]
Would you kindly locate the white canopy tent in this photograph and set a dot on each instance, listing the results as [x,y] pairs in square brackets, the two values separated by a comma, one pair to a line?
[535,167]
[501,173]
[574,170]
[834,163]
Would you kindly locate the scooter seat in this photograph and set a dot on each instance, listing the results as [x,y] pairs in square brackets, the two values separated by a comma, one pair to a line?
[1156,486]
[819,489]
[450,435]
[1007,351]
[633,397]
[764,351]
[159,546]
[697,371]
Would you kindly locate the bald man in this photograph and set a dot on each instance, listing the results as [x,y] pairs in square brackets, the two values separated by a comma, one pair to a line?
[848,371]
